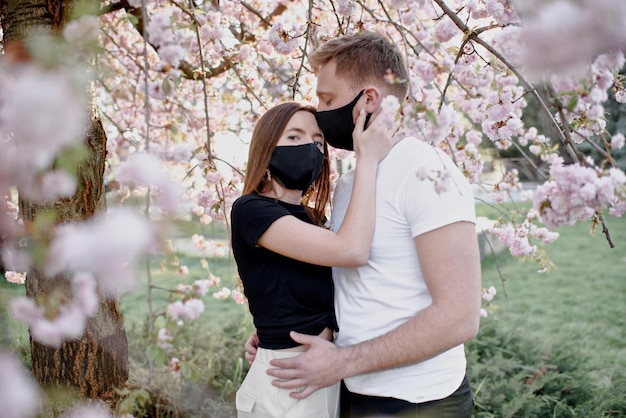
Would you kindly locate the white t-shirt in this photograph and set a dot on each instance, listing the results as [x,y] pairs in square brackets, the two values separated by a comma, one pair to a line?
[376,298]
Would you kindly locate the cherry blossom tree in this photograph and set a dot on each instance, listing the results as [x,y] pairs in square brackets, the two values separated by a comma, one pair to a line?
[175,80]
[52,150]
[474,66]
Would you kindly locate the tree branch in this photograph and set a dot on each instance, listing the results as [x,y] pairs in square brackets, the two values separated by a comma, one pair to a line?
[113,7]
[563,133]
[266,22]
[529,87]
[307,35]
[605,229]
[186,69]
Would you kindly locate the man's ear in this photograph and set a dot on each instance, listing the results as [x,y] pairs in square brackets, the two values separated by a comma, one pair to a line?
[373,97]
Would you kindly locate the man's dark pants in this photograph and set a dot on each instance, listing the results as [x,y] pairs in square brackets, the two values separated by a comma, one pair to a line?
[457,405]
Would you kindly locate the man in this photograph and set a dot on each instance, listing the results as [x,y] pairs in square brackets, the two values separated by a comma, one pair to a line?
[403,316]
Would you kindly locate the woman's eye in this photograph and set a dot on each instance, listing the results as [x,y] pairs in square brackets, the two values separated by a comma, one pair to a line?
[319,145]
[293,137]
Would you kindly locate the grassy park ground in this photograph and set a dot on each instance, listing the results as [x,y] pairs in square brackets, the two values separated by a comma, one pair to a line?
[557,344]
[555,347]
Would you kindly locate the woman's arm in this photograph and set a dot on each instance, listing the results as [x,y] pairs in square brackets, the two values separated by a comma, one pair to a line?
[350,246]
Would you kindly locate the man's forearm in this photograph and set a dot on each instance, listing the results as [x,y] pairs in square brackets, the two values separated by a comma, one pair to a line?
[429,334]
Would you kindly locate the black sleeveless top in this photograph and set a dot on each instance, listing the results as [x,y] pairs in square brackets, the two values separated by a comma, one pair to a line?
[283,294]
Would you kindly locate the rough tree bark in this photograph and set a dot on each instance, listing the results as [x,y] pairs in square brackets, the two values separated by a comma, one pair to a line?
[97,363]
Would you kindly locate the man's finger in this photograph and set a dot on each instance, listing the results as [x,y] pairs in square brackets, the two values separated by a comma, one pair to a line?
[284,363]
[303,339]
[360,122]
[289,383]
[308,390]
[302,390]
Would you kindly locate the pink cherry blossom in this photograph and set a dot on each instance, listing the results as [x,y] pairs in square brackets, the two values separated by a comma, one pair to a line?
[488,294]
[156,91]
[477,9]
[617,141]
[84,288]
[445,30]
[474,137]
[389,111]
[576,192]
[199,242]
[164,339]
[89,409]
[25,309]
[508,43]
[212,30]
[516,238]
[436,132]
[85,28]
[174,366]
[238,297]
[404,3]
[69,321]
[549,29]
[145,170]
[192,309]
[55,184]
[201,287]
[345,7]
[172,54]
[224,293]
[175,310]
[159,28]
[106,246]
[527,195]
[283,39]
[15,277]
[15,257]
[214,281]
[425,70]
[183,288]
[138,3]
[20,396]
[189,310]
[58,101]
[502,10]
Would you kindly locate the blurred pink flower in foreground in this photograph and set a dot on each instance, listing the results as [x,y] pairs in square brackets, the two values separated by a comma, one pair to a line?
[19,394]
[108,246]
[566,36]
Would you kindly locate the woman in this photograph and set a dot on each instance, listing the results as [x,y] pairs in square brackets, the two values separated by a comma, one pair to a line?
[284,254]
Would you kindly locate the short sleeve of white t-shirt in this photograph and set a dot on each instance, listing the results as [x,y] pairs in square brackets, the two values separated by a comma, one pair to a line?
[435,193]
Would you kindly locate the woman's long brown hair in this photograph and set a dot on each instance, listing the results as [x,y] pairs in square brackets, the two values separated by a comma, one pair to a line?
[266,134]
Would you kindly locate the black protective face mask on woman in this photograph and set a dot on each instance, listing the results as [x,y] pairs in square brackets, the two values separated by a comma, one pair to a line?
[296,166]
[338,124]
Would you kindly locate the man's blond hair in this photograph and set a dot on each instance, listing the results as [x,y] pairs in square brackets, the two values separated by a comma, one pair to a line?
[365,57]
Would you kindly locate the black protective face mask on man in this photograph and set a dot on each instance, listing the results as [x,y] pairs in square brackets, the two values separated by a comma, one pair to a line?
[338,124]
[296,166]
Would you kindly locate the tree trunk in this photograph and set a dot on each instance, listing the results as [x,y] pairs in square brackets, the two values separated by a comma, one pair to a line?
[98,362]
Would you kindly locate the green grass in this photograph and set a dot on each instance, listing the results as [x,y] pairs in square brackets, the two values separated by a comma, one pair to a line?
[13,335]
[211,345]
[573,317]
[583,299]
[134,304]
